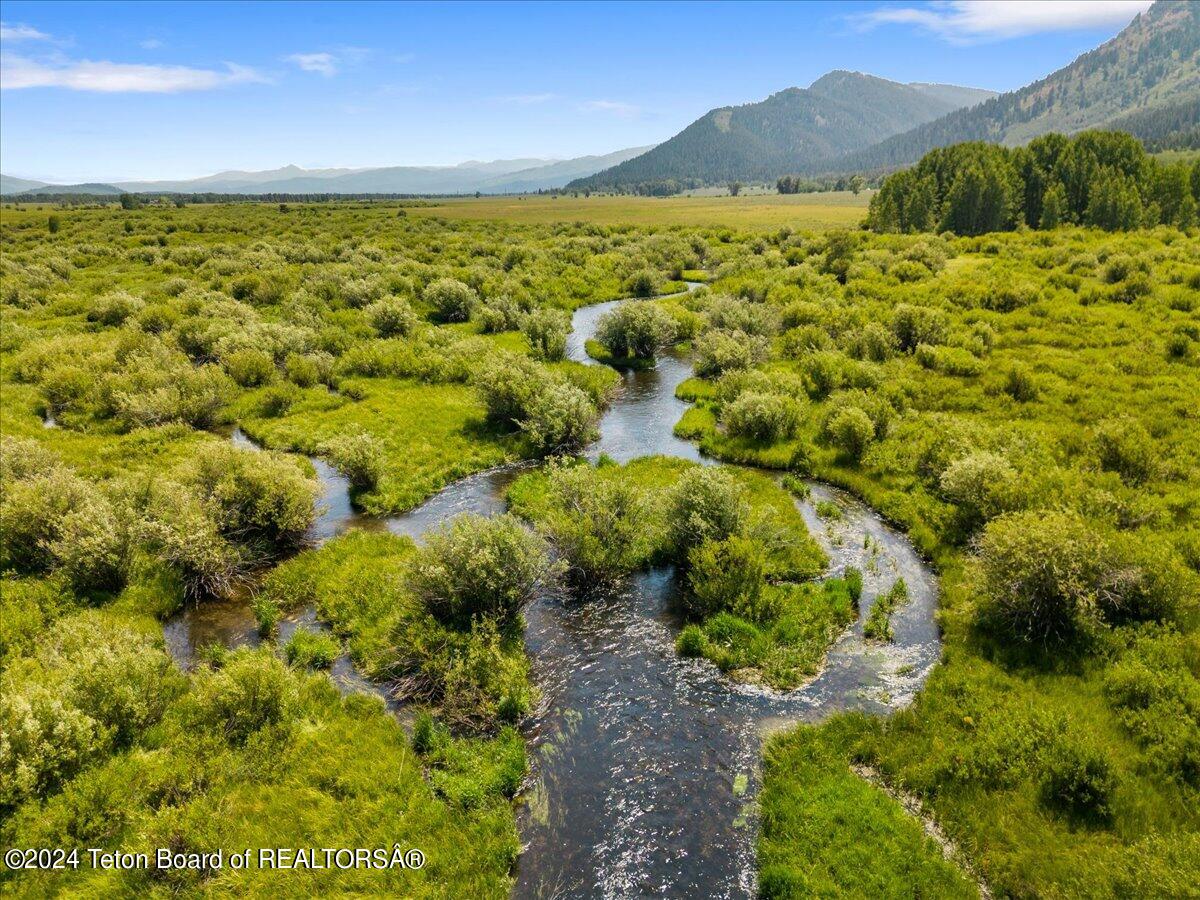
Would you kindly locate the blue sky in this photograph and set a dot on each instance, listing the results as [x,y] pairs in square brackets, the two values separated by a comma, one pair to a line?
[100,91]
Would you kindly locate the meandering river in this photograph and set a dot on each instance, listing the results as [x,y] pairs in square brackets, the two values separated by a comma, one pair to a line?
[645,764]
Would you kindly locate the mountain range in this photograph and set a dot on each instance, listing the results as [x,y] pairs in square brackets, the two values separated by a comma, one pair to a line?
[837,113]
[503,176]
[1146,80]
[11,185]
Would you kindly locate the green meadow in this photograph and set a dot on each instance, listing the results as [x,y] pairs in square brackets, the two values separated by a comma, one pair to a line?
[1021,402]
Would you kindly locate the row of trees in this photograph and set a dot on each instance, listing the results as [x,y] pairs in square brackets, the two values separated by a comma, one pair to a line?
[795,184]
[136,201]
[1099,178]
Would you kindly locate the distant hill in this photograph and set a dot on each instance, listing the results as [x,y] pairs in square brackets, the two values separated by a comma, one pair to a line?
[1146,81]
[11,185]
[557,174]
[231,181]
[87,188]
[500,176]
[492,178]
[790,130]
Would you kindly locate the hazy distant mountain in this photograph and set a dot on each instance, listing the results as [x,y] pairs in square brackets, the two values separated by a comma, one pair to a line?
[558,174]
[790,130]
[90,187]
[1146,80]
[953,95]
[228,182]
[11,185]
[494,177]
[505,166]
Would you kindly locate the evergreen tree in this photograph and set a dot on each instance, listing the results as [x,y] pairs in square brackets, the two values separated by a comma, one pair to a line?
[1172,186]
[979,201]
[922,205]
[1053,206]
[1186,216]
[1105,179]
[1114,203]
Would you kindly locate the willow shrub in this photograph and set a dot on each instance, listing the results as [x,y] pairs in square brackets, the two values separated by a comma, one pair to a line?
[359,456]
[727,576]
[476,568]
[706,504]
[598,522]
[258,498]
[451,300]
[547,330]
[636,330]
[763,417]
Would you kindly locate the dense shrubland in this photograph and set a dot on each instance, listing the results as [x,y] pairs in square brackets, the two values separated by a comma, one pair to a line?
[308,323]
[1023,404]
[380,343]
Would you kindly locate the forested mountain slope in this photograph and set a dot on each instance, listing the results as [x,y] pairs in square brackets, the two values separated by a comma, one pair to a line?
[1145,81]
[838,113]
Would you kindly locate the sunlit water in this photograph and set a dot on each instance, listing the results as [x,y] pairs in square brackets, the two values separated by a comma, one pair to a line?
[645,765]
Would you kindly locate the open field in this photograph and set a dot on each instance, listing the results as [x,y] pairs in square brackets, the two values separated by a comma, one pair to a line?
[1173,156]
[814,212]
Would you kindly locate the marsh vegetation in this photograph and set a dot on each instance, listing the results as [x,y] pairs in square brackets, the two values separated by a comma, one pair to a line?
[975,390]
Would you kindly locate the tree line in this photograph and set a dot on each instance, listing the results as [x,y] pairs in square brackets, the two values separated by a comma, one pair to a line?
[1103,179]
[796,184]
[160,198]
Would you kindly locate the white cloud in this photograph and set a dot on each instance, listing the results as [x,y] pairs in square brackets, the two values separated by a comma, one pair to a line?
[966,21]
[18,72]
[150,44]
[21,33]
[324,63]
[616,107]
[329,64]
[527,99]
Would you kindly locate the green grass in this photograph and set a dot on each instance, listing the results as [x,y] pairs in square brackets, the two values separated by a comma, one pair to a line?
[826,832]
[432,434]
[311,649]
[101,453]
[783,652]
[356,583]
[878,626]
[1174,156]
[988,732]
[815,212]
[332,772]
